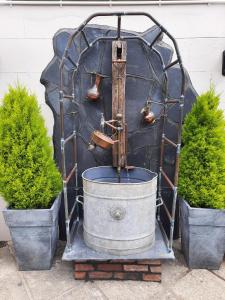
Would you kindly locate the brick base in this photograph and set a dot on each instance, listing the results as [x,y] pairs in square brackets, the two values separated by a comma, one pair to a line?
[144,270]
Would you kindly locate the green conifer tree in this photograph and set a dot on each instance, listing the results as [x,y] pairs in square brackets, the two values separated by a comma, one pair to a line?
[202,168]
[28,175]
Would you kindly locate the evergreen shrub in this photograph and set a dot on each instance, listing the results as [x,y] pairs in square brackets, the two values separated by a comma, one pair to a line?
[202,167]
[29,178]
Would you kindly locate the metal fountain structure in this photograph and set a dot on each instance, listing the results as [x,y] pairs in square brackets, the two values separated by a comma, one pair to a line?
[118,123]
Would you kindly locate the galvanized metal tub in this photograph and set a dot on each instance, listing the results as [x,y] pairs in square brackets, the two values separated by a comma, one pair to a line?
[119,217]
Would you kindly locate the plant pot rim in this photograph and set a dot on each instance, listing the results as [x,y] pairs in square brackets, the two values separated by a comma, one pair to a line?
[200,208]
[32,217]
[7,208]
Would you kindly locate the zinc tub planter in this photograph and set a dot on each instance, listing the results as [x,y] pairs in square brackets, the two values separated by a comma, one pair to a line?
[119,217]
[34,234]
[202,236]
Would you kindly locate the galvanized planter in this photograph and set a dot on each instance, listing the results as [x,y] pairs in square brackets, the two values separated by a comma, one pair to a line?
[202,236]
[34,234]
[119,218]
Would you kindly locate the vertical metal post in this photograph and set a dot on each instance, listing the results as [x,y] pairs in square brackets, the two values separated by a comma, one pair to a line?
[118,27]
[177,162]
[162,141]
[63,165]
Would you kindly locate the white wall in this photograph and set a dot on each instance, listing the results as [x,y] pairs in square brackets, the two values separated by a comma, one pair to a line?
[26,43]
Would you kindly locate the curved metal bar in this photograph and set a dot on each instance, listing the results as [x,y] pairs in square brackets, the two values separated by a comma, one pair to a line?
[115,38]
[119,14]
[165,68]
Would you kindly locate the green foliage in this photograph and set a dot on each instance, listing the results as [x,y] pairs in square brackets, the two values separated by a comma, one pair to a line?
[202,168]
[28,175]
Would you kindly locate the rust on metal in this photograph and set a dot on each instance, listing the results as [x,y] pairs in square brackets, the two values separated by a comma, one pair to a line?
[149,117]
[148,114]
[67,179]
[167,211]
[102,140]
[170,142]
[119,56]
[93,93]
[167,179]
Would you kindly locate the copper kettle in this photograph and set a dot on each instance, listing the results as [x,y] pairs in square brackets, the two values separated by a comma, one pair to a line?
[93,93]
[148,114]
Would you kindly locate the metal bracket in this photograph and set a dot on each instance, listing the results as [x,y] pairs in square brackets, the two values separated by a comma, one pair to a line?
[77,199]
[160,203]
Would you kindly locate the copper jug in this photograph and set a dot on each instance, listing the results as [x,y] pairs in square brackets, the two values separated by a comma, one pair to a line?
[93,93]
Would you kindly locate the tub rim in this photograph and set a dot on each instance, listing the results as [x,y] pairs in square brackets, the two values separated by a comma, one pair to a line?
[120,183]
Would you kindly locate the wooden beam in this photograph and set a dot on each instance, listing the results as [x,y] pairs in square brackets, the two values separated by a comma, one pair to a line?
[119,56]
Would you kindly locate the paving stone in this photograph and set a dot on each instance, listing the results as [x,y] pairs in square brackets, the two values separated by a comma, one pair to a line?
[178,283]
[165,294]
[173,270]
[200,285]
[85,291]
[7,262]
[129,290]
[11,284]
[50,284]
[12,288]
[221,271]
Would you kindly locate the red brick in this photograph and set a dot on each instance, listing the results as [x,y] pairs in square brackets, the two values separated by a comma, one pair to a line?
[152,277]
[80,275]
[119,275]
[135,268]
[83,267]
[109,267]
[100,275]
[149,262]
[133,276]
[127,276]
[155,269]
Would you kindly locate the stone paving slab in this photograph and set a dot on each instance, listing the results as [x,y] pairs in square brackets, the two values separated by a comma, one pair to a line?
[85,291]
[221,272]
[129,290]
[200,285]
[178,282]
[11,283]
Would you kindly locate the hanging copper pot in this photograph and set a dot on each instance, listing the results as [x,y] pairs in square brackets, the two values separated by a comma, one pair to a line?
[149,116]
[100,139]
[93,93]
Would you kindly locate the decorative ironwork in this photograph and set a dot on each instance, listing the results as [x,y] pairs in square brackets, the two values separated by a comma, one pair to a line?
[164,115]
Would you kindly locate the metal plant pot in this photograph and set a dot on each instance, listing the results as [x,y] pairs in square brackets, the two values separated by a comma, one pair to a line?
[34,234]
[202,236]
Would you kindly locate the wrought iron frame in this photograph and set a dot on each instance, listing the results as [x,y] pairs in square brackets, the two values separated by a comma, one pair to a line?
[177,145]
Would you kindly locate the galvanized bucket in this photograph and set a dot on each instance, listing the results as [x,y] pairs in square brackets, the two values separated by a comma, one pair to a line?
[119,217]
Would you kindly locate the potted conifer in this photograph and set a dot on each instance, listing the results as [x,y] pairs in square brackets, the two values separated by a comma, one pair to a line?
[202,184]
[29,180]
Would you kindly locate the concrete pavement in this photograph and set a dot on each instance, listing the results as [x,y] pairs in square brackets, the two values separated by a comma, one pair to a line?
[178,282]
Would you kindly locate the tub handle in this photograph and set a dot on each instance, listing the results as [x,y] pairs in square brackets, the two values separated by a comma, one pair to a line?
[77,199]
[160,202]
